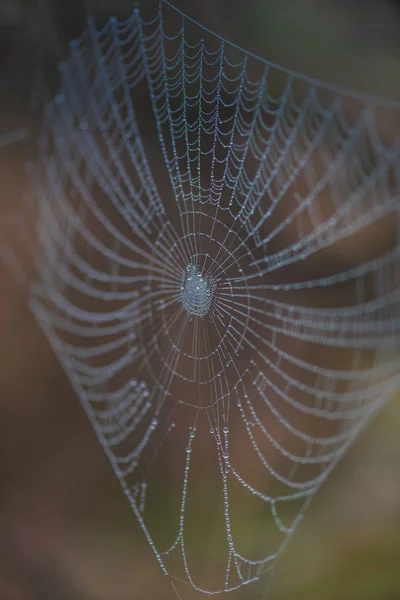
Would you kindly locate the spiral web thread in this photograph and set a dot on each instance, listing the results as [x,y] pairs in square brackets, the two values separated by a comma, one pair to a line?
[192,279]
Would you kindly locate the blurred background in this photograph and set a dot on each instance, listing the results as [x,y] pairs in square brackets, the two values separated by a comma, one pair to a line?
[66,530]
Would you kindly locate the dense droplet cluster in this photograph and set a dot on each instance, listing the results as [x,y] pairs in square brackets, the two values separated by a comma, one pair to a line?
[196,292]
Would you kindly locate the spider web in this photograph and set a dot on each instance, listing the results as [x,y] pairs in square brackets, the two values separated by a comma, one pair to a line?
[219,277]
